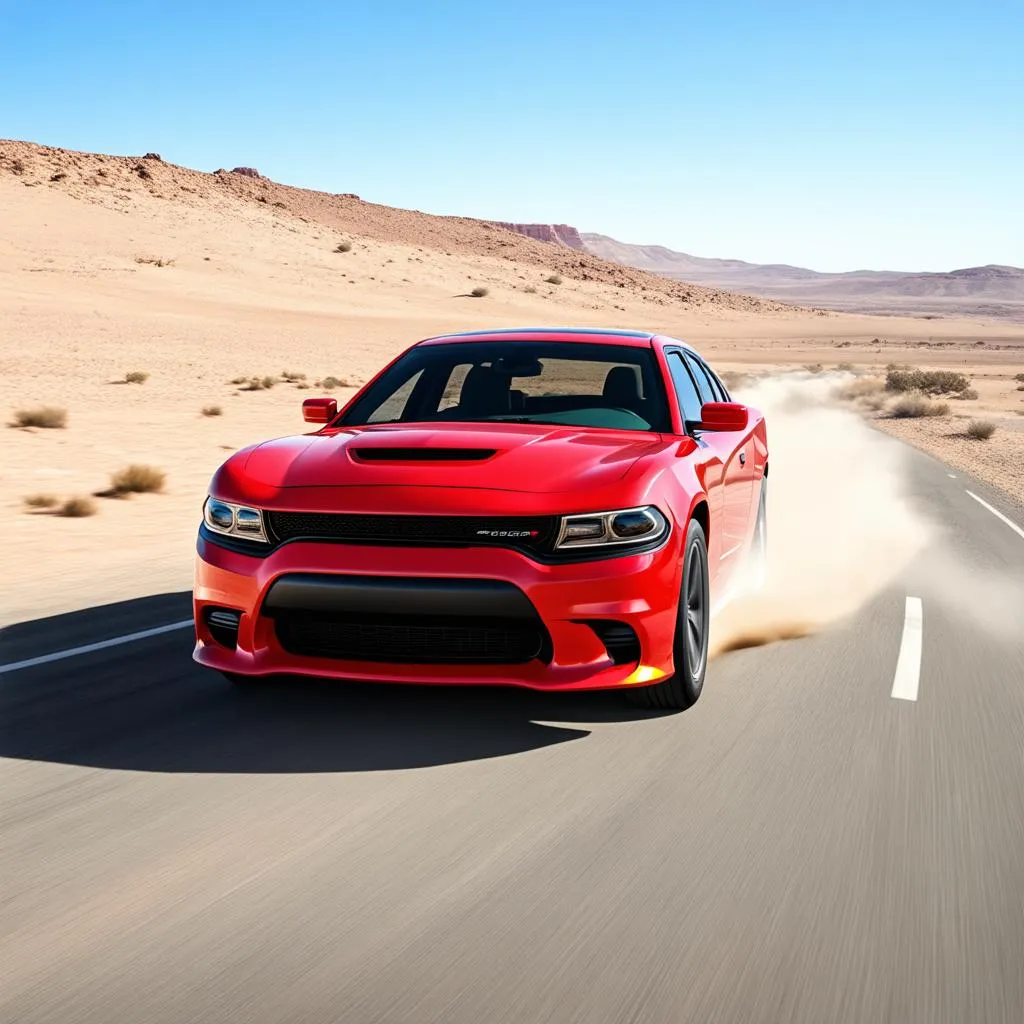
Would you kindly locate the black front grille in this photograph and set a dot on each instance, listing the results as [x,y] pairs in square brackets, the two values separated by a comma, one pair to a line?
[533,533]
[413,640]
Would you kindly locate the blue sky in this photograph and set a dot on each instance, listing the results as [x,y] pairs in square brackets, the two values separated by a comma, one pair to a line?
[834,135]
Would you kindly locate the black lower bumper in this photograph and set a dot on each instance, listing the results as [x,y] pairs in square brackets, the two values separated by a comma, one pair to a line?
[405,620]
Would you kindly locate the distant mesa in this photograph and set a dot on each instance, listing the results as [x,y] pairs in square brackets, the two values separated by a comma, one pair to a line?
[558,234]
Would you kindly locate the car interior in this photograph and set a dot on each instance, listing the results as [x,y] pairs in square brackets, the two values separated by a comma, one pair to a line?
[487,393]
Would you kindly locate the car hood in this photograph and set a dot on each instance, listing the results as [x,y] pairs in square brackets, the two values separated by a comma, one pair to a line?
[507,457]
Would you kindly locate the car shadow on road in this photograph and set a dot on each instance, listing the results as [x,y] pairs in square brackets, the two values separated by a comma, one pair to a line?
[145,706]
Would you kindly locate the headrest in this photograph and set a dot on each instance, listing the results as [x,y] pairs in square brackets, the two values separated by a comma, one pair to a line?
[622,387]
[485,392]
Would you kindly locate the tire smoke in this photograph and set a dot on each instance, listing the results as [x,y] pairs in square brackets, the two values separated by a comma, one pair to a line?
[841,523]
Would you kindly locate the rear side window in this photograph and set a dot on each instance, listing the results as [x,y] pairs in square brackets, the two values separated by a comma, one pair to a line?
[686,391]
[719,387]
[704,385]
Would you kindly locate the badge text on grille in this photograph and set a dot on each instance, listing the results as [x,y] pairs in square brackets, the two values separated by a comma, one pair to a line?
[507,533]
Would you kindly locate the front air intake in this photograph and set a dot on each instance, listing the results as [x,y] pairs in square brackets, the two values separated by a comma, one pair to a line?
[223,625]
[619,639]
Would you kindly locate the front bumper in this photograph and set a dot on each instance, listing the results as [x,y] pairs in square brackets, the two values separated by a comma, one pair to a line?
[564,602]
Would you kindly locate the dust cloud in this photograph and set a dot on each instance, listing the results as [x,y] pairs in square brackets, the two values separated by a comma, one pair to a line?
[841,522]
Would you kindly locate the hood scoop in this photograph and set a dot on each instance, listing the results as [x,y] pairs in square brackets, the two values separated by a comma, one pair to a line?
[388,454]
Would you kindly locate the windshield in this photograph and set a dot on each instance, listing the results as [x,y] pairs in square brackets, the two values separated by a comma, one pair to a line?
[616,387]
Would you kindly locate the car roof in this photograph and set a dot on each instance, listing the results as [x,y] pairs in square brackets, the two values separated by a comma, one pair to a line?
[569,334]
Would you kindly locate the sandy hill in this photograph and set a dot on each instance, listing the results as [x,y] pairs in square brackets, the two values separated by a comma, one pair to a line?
[123,182]
[986,291]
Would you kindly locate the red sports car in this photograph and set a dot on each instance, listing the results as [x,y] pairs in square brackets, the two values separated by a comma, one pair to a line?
[549,508]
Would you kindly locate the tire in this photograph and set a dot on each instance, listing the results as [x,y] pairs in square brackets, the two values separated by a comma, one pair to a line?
[682,689]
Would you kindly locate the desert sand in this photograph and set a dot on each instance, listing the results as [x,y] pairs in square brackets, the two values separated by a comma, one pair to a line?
[110,265]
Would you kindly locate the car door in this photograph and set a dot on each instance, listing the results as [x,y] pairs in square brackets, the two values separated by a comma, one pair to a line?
[749,459]
[732,448]
[690,402]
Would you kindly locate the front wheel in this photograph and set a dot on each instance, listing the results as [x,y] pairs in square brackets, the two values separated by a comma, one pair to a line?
[693,620]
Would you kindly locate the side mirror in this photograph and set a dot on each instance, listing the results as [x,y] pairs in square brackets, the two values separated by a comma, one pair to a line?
[724,416]
[319,410]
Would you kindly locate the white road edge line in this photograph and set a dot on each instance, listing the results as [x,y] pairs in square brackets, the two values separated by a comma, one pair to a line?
[999,515]
[908,665]
[73,652]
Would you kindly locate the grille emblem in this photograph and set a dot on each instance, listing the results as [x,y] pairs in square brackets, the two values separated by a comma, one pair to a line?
[507,533]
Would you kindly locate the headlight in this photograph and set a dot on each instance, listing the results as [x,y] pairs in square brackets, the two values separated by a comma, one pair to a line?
[234,520]
[612,529]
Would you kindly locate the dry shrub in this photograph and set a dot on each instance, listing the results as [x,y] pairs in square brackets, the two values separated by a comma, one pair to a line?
[292,376]
[239,380]
[343,247]
[928,382]
[260,383]
[59,176]
[813,367]
[330,383]
[49,416]
[77,508]
[137,479]
[212,410]
[40,501]
[479,292]
[1019,377]
[914,406]
[1020,387]
[136,377]
[980,430]
[553,279]
[844,367]
[154,261]
[874,403]
[530,289]
[968,395]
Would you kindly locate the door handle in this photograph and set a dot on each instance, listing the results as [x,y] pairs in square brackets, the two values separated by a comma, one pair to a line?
[743,458]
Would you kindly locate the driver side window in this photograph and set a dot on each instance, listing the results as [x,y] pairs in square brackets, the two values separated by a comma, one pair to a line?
[686,391]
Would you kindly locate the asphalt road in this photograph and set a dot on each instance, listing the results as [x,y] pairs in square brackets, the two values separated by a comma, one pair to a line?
[800,846]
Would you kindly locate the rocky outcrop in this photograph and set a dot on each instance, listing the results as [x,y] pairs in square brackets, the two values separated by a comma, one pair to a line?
[249,172]
[557,234]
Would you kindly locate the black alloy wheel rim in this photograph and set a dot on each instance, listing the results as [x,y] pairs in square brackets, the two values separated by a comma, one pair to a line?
[696,621]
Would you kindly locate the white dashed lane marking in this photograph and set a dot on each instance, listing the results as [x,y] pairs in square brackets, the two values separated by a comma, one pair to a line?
[908,665]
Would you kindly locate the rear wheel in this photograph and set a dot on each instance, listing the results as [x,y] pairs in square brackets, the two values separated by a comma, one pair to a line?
[693,620]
